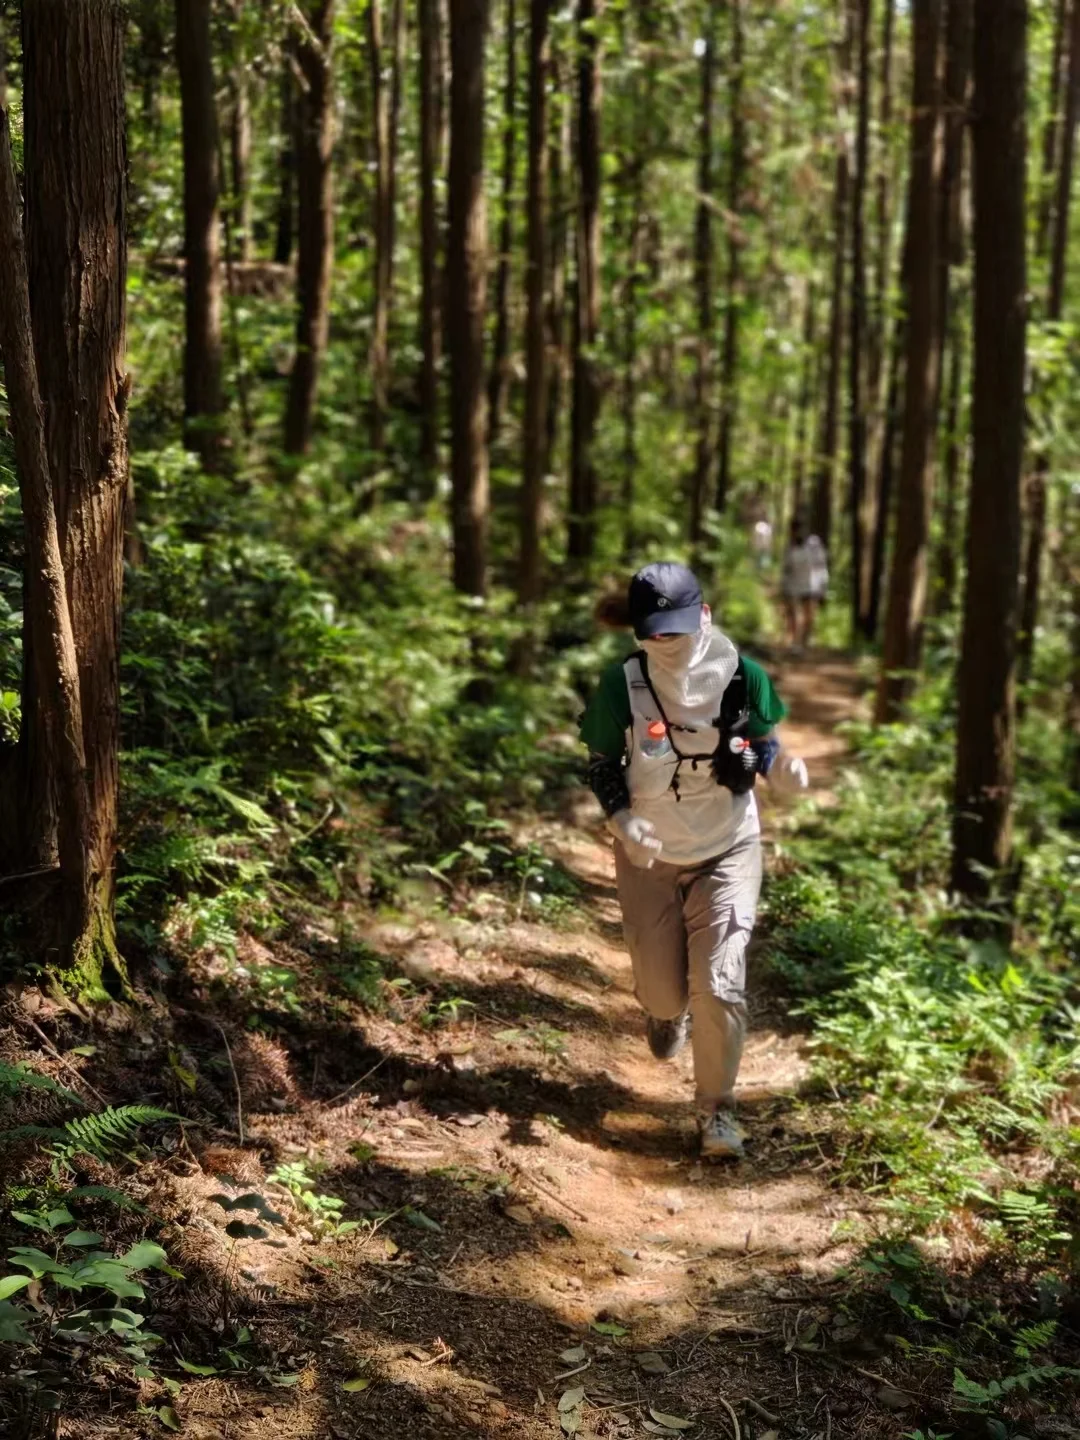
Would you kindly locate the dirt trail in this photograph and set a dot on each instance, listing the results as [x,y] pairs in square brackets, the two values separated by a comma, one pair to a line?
[555,1156]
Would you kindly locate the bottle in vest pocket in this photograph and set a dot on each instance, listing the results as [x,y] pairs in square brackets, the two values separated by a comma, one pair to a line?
[657,742]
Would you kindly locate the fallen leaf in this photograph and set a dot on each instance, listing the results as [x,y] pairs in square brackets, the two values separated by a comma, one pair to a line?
[169,1418]
[608,1327]
[652,1363]
[421,1221]
[894,1399]
[570,1420]
[357,1383]
[574,1356]
[570,1398]
[670,1422]
[520,1214]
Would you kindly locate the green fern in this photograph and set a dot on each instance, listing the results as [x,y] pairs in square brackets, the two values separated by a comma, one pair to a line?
[1034,1338]
[14,1078]
[102,1134]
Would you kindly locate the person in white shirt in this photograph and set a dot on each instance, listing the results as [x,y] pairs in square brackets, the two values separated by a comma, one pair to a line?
[803,584]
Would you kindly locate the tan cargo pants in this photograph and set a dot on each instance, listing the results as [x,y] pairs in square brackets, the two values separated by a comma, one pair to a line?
[687,929]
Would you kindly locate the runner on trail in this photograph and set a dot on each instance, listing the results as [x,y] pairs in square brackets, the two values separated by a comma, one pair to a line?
[803,584]
[677,736]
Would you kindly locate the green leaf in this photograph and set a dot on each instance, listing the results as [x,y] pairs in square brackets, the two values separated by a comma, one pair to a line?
[36,1261]
[13,1320]
[10,1284]
[84,1050]
[82,1237]
[608,1327]
[195,1369]
[34,1222]
[283,1382]
[420,1221]
[145,1256]
[670,1422]
[58,1217]
[356,1384]
[169,1418]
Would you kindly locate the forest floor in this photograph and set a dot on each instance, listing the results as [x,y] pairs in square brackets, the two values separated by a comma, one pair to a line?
[548,1235]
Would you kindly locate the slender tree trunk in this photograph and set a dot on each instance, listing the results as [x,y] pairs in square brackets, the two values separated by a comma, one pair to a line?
[315,219]
[379,358]
[730,356]
[644,102]
[879,328]
[586,378]
[497,381]
[1055,309]
[466,298]
[286,204]
[886,481]
[825,470]
[908,578]
[704,284]
[76,189]
[985,740]
[1052,131]
[240,141]
[806,401]
[153,53]
[534,448]
[558,167]
[203,401]
[952,452]
[428,22]
[860,517]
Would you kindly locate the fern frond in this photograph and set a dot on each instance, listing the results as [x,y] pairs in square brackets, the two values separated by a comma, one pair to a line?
[108,1194]
[99,1135]
[32,1132]
[14,1078]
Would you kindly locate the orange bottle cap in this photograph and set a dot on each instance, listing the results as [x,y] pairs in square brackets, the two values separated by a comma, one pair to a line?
[657,730]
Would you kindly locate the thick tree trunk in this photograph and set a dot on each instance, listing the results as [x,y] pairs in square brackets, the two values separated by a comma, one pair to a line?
[379,357]
[466,299]
[825,468]
[586,377]
[729,361]
[315,219]
[559,230]
[860,513]
[286,204]
[985,739]
[1052,130]
[908,577]
[76,188]
[534,447]
[704,285]
[203,402]
[428,24]
[497,381]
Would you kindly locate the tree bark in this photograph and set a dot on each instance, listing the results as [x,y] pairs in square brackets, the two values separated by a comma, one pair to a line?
[466,299]
[534,448]
[313,49]
[428,23]
[586,377]
[379,357]
[908,578]
[730,356]
[952,452]
[985,740]
[497,382]
[860,514]
[240,141]
[559,229]
[825,469]
[704,285]
[286,206]
[1052,130]
[879,326]
[76,245]
[1055,309]
[806,400]
[203,401]
[886,480]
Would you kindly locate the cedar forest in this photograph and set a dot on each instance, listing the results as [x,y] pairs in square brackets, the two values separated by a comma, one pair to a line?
[352,351]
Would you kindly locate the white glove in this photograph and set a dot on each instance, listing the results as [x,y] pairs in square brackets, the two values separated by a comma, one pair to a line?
[638,837]
[788,775]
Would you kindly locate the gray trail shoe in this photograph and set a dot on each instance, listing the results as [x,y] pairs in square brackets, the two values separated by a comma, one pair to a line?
[667,1037]
[721,1136]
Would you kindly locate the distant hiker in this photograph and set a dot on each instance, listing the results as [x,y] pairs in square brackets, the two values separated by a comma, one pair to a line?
[677,736]
[761,538]
[803,584]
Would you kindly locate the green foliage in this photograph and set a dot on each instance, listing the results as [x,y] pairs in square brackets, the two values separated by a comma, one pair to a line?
[14,1078]
[101,1135]
[321,1212]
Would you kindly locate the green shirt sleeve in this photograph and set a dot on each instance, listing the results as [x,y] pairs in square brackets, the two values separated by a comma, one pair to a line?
[766,707]
[607,718]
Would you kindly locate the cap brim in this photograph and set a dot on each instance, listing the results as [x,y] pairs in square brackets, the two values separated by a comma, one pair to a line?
[670,622]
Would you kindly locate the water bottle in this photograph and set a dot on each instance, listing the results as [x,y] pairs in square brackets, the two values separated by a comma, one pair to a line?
[657,743]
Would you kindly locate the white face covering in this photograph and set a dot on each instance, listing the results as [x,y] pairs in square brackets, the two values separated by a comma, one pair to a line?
[691,672]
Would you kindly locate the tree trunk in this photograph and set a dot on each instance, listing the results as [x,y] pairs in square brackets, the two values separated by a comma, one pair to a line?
[76,189]
[428,22]
[879,327]
[315,219]
[908,577]
[497,382]
[861,517]
[534,448]
[466,259]
[953,449]
[825,470]
[203,401]
[730,356]
[559,229]
[1052,130]
[886,480]
[240,140]
[379,358]
[153,53]
[806,399]
[286,207]
[704,284]
[644,103]
[586,378]
[1055,309]
[985,739]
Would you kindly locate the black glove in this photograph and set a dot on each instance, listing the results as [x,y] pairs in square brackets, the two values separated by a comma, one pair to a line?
[735,764]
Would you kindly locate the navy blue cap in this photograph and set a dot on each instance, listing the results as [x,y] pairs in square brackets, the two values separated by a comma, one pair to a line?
[665,599]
